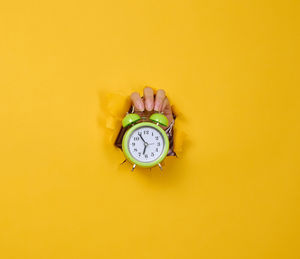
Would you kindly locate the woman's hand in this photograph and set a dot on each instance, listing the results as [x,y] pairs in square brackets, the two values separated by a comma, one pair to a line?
[159,103]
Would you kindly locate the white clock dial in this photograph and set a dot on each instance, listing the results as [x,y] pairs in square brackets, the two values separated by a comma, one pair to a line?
[146,144]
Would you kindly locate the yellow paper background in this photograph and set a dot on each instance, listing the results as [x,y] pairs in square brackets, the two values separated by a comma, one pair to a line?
[232,70]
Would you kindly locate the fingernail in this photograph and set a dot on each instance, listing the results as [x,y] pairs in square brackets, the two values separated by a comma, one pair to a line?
[156,107]
[140,106]
[149,105]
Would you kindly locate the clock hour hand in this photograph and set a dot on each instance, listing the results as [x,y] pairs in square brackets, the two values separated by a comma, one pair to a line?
[144,149]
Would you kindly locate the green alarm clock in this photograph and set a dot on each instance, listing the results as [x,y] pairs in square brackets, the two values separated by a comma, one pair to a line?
[145,143]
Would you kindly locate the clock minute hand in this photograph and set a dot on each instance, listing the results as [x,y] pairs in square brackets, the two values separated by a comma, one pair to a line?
[142,138]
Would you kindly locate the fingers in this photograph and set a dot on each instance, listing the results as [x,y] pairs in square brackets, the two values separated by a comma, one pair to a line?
[167,110]
[137,101]
[149,99]
[159,100]
[160,104]
[165,105]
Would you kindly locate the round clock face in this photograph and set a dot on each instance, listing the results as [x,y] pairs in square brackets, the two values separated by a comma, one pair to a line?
[146,144]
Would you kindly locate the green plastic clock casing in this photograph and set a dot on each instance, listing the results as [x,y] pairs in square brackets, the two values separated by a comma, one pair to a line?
[139,125]
[159,118]
[130,119]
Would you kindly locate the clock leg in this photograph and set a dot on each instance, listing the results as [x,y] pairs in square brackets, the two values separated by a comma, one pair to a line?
[160,167]
[133,167]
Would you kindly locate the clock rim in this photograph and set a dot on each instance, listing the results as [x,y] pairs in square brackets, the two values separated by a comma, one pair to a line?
[131,159]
